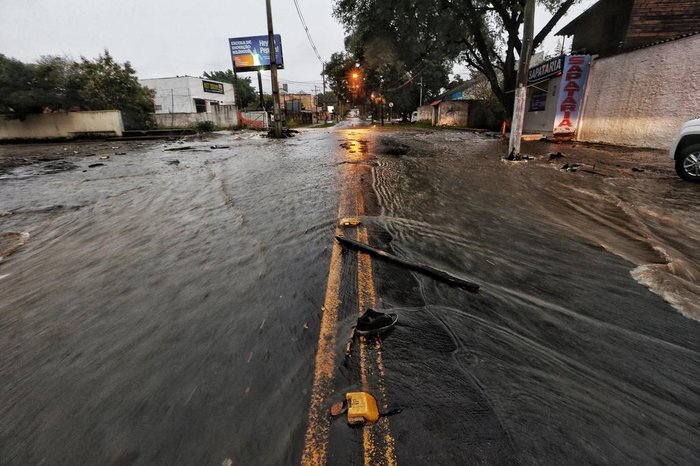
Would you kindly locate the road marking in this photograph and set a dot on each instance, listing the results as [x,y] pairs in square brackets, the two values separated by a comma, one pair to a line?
[367,297]
[316,439]
[318,427]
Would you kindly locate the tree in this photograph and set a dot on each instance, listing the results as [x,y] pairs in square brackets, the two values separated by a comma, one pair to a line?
[324,100]
[56,83]
[16,97]
[483,34]
[104,84]
[243,87]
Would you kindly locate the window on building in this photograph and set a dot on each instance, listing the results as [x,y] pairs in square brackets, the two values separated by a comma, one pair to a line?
[538,101]
[200,105]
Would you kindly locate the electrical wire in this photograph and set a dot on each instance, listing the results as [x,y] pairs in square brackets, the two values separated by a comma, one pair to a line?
[308,34]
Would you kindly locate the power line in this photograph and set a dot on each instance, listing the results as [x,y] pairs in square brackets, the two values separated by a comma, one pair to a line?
[308,34]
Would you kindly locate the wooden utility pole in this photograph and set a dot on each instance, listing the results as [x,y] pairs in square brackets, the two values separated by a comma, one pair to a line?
[325,104]
[273,69]
[516,129]
[420,101]
[260,90]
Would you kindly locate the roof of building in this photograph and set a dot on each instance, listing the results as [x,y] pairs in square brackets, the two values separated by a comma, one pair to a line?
[571,25]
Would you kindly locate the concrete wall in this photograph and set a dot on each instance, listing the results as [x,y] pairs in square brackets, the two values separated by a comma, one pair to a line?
[453,113]
[223,116]
[542,121]
[63,125]
[426,114]
[641,98]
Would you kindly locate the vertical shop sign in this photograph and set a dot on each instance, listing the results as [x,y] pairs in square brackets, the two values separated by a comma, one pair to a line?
[573,86]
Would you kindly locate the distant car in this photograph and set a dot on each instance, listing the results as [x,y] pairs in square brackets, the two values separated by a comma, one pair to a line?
[414,117]
[685,150]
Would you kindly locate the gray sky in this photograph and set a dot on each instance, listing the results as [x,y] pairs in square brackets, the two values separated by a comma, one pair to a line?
[173,37]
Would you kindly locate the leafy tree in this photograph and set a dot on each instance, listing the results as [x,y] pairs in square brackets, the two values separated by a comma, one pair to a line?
[397,42]
[329,98]
[16,83]
[56,83]
[243,87]
[481,33]
[104,84]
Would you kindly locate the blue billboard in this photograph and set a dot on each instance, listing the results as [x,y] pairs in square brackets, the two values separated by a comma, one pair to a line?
[253,53]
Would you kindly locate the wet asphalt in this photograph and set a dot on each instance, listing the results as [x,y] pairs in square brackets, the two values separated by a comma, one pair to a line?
[164,312]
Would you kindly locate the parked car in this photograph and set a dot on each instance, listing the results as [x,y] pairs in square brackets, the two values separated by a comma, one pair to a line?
[414,117]
[685,150]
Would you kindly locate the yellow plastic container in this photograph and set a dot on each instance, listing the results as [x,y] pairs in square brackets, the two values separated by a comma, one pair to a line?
[362,408]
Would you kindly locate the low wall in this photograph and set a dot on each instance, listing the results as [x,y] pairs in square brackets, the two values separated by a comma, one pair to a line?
[453,113]
[425,114]
[259,120]
[641,98]
[225,116]
[63,125]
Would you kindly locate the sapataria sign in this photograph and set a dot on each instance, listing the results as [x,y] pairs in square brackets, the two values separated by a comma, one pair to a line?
[573,84]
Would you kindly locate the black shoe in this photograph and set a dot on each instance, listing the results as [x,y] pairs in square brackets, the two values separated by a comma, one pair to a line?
[373,322]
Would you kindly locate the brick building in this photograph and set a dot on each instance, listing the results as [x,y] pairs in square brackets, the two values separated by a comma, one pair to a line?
[616,26]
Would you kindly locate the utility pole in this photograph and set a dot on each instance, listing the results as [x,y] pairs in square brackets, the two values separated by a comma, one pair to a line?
[260,89]
[381,96]
[325,105]
[516,128]
[420,102]
[273,69]
[316,97]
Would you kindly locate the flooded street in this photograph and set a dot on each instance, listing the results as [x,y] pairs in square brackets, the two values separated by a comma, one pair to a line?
[192,306]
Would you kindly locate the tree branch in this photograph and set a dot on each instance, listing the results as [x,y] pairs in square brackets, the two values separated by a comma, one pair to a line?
[552,22]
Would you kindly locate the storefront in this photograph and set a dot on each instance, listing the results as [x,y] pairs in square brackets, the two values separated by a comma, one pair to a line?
[555,95]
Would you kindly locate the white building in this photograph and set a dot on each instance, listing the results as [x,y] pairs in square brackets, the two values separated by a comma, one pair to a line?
[185,100]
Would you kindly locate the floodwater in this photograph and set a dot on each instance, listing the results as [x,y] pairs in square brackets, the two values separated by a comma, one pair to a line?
[156,312]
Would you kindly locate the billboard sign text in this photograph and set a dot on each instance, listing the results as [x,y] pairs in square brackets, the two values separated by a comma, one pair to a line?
[253,53]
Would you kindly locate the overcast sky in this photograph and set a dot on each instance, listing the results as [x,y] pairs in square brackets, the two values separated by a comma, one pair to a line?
[172,37]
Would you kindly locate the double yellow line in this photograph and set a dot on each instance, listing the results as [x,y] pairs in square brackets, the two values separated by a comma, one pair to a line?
[378,443]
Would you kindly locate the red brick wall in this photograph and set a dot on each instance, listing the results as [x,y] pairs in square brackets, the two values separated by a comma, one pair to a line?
[655,20]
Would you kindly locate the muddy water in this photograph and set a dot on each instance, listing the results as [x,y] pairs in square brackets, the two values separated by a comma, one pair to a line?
[163,312]
[565,355]
[156,312]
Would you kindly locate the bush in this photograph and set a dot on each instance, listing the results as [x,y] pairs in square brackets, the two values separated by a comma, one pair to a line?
[204,126]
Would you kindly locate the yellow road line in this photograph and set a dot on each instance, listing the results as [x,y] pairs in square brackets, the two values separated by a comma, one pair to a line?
[317,432]
[367,298]
[318,426]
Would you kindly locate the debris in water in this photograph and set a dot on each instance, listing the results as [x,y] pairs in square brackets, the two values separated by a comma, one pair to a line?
[286,133]
[11,241]
[93,165]
[338,408]
[349,222]
[422,268]
[104,157]
[637,169]
[179,148]
[373,322]
[173,162]
[219,147]
[554,156]
[571,167]
[362,408]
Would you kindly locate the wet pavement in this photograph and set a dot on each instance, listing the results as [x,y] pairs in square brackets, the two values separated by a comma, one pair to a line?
[196,312]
